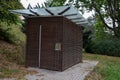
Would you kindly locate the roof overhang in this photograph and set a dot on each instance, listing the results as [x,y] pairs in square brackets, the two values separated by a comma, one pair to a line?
[67,11]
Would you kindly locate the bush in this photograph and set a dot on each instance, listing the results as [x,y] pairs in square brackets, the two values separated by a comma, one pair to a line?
[11,33]
[87,41]
[107,47]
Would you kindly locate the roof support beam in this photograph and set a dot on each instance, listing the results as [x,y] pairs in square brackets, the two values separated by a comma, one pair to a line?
[49,12]
[64,11]
[34,12]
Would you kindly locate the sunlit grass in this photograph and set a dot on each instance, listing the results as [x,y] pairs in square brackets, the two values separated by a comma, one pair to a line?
[108,67]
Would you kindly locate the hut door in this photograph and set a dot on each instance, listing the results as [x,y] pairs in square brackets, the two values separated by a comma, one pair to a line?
[48,45]
[40,27]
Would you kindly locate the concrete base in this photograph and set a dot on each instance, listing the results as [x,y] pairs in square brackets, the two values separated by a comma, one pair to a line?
[77,72]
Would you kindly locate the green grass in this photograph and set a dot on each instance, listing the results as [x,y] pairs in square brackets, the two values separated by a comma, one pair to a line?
[108,67]
[6,71]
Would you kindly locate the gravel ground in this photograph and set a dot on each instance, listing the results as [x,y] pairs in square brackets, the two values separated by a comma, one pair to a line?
[77,72]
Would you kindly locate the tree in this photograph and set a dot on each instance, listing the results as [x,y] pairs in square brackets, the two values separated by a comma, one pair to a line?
[8,20]
[5,6]
[50,3]
[108,11]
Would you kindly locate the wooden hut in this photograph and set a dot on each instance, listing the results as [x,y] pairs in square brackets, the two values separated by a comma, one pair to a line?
[54,41]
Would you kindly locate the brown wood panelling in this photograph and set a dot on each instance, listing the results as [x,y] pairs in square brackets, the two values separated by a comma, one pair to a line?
[72,44]
[54,30]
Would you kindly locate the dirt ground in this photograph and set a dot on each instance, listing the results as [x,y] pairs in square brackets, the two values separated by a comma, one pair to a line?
[10,68]
[93,76]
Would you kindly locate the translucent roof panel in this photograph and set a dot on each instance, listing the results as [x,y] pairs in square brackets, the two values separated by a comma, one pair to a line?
[68,11]
[77,16]
[40,11]
[22,11]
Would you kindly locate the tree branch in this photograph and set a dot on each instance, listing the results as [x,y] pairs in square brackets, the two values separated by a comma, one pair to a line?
[112,12]
[100,15]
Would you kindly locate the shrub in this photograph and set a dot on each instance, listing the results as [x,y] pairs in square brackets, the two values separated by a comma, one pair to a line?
[107,47]
[11,33]
[87,41]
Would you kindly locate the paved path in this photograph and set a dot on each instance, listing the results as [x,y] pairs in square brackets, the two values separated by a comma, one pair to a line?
[77,72]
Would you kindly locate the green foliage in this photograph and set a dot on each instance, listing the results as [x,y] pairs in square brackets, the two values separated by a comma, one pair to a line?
[101,32]
[108,67]
[108,11]
[50,3]
[103,42]
[87,41]
[6,71]
[8,30]
[106,46]
[11,33]
[5,15]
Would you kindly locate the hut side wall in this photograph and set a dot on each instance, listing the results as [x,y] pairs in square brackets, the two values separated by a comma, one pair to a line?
[72,44]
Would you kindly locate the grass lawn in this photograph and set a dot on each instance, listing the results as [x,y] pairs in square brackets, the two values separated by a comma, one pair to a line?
[108,67]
